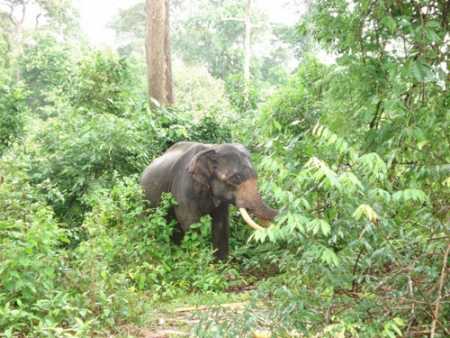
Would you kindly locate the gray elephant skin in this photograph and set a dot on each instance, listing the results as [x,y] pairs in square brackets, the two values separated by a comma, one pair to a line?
[205,179]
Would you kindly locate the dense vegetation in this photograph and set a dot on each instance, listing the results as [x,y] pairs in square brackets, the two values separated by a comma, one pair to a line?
[355,153]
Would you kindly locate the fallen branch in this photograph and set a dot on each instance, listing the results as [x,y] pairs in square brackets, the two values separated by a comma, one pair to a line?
[233,306]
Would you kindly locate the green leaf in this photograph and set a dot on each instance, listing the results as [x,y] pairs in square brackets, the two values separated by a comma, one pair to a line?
[367,211]
[410,195]
[420,70]
[389,23]
[329,257]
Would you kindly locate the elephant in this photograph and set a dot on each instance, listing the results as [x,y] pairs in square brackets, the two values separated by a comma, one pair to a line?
[205,179]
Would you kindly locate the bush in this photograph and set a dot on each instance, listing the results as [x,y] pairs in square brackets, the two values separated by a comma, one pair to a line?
[47,290]
[296,106]
[78,151]
[350,235]
[235,89]
[31,261]
[107,83]
[48,68]
[198,93]
[210,130]
[12,114]
[126,240]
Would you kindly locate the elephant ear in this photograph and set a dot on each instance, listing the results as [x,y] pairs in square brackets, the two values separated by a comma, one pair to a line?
[202,166]
[241,148]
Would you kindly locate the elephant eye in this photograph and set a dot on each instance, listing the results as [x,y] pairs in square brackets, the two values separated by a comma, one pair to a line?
[235,179]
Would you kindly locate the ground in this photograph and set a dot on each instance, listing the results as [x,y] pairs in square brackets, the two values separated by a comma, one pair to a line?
[178,317]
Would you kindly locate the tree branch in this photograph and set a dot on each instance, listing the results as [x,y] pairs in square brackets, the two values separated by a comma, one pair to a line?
[439,297]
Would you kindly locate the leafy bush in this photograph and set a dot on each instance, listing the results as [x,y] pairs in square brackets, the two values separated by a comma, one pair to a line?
[235,89]
[210,130]
[197,92]
[12,117]
[31,261]
[126,262]
[351,235]
[78,151]
[45,290]
[48,69]
[107,83]
[295,107]
[356,154]
[125,239]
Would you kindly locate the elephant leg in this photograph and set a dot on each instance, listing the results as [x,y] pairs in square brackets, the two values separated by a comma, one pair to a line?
[185,218]
[220,231]
[177,234]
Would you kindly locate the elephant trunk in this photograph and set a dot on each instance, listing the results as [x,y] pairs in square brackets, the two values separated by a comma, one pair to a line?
[248,197]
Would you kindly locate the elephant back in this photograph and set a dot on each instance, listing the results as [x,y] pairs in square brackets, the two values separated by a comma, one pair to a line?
[158,177]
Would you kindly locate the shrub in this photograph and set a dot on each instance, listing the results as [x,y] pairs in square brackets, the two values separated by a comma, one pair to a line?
[235,90]
[46,289]
[47,67]
[125,239]
[350,235]
[107,83]
[295,107]
[77,151]
[210,130]
[198,93]
[12,114]
[31,261]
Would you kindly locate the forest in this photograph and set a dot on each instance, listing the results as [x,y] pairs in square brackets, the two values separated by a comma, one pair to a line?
[340,108]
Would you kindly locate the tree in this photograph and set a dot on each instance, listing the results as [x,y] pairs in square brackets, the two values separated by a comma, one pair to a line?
[18,17]
[158,56]
[247,48]
[130,30]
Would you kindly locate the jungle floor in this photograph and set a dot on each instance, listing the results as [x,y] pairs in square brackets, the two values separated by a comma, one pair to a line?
[178,317]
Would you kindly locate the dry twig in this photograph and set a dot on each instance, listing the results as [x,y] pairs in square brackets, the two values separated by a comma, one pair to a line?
[439,296]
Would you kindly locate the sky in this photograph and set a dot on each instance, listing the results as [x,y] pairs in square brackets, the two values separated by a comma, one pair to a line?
[96,14]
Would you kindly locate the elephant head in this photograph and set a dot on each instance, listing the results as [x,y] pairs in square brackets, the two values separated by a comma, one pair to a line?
[225,171]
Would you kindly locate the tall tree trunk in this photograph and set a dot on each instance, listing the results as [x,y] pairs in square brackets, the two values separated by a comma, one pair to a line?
[159,68]
[247,50]
[18,39]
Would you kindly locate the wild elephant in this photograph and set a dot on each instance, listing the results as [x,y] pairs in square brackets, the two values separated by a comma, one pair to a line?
[205,179]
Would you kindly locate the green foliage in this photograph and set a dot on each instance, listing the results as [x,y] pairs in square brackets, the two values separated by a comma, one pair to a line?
[210,130]
[45,291]
[12,113]
[345,233]
[107,84]
[212,36]
[126,260]
[126,239]
[31,261]
[47,68]
[235,87]
[79,151]
[295,108]
[198,92]
[356,155]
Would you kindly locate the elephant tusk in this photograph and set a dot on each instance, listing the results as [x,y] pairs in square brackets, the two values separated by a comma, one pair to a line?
[249,220]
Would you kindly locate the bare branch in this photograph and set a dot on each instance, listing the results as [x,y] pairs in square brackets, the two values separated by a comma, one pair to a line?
[439,297]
